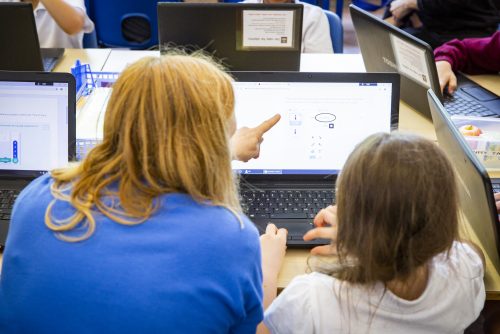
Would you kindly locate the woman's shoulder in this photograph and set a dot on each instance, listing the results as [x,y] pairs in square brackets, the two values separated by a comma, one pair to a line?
[36,188]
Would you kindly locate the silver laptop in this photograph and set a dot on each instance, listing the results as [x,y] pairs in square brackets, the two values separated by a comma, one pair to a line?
[37,123]
[386,48]
[323,117]
[475,187]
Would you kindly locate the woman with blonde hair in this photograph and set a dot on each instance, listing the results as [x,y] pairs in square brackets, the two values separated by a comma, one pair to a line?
[146,235]
[399,266]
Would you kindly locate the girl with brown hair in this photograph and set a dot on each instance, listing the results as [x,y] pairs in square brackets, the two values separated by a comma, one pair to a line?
[399,266]
[146,235]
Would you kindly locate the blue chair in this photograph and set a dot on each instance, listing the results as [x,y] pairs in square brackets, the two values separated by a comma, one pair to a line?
[336,31]
[369,6]
[325,4]
[125,23]
[90,40]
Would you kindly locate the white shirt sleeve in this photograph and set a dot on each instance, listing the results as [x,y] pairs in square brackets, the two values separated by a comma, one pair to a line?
[88,25]
[471,269]
[315,31]
[291,311]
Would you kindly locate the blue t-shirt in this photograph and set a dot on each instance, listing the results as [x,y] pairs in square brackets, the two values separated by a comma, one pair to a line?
[190,268]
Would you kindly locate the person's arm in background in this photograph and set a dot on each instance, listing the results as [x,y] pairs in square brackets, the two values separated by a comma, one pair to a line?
[471,56]
[69,18]
[400,9]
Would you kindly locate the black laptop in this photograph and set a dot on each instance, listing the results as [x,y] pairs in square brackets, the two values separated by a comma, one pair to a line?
[246,37]
[386,48]
[38,131]
[19,41]
[476,189]
[323,117]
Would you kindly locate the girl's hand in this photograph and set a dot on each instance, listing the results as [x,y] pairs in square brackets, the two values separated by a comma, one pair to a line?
[446,76]
[497,200]
[326,222]
[273,246]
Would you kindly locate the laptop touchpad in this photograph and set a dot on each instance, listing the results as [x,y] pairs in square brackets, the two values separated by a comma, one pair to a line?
[479,93]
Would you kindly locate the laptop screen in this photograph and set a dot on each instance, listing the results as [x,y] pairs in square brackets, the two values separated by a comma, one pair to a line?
[33,126]
[321,122]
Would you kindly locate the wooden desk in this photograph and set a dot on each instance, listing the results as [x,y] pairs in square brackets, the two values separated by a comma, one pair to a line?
[95,57]
[107,60]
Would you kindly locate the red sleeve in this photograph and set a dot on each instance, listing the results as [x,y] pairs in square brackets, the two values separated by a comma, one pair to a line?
[472,55]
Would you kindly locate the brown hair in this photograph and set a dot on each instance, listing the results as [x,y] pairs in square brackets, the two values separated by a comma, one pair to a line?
[396,207]
[166,130]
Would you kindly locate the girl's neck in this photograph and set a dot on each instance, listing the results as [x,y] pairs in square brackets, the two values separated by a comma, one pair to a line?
[412,287]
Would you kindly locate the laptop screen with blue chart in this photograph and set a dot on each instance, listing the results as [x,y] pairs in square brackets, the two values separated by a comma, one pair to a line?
[34,126]
[37,131]
[321,122]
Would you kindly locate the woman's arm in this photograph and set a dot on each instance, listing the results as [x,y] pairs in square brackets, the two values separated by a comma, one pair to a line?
[245,142]
[273,245]
[69,18]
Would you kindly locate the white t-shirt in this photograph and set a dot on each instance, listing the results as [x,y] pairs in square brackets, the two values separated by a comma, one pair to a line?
[315,29]
[51,35]
[452,300]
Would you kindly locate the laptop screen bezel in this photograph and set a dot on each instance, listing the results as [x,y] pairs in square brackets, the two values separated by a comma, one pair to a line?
[333,77]
[46,77]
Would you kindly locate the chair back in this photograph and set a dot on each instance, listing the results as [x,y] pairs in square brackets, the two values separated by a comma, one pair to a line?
[369,6]
[325,4]
[336,31]
[90,40]
[125,23]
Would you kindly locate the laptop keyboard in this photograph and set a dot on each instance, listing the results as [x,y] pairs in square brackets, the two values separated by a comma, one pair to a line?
[49,64]
[7,199]
[457,105]
[285,204]
[496,187]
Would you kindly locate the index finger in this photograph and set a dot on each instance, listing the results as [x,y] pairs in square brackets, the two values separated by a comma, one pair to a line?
[325,217]
[268,124]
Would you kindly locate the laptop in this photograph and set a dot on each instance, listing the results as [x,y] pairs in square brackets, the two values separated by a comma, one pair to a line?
[38,131]
[323,117]
[19,39]
[475,187]
[386,48]
[245,37]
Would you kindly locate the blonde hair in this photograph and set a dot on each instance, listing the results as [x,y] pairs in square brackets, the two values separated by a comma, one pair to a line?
[166,130]
[396,207]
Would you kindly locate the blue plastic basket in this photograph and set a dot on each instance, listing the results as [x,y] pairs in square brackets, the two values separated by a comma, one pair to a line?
[86,80]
